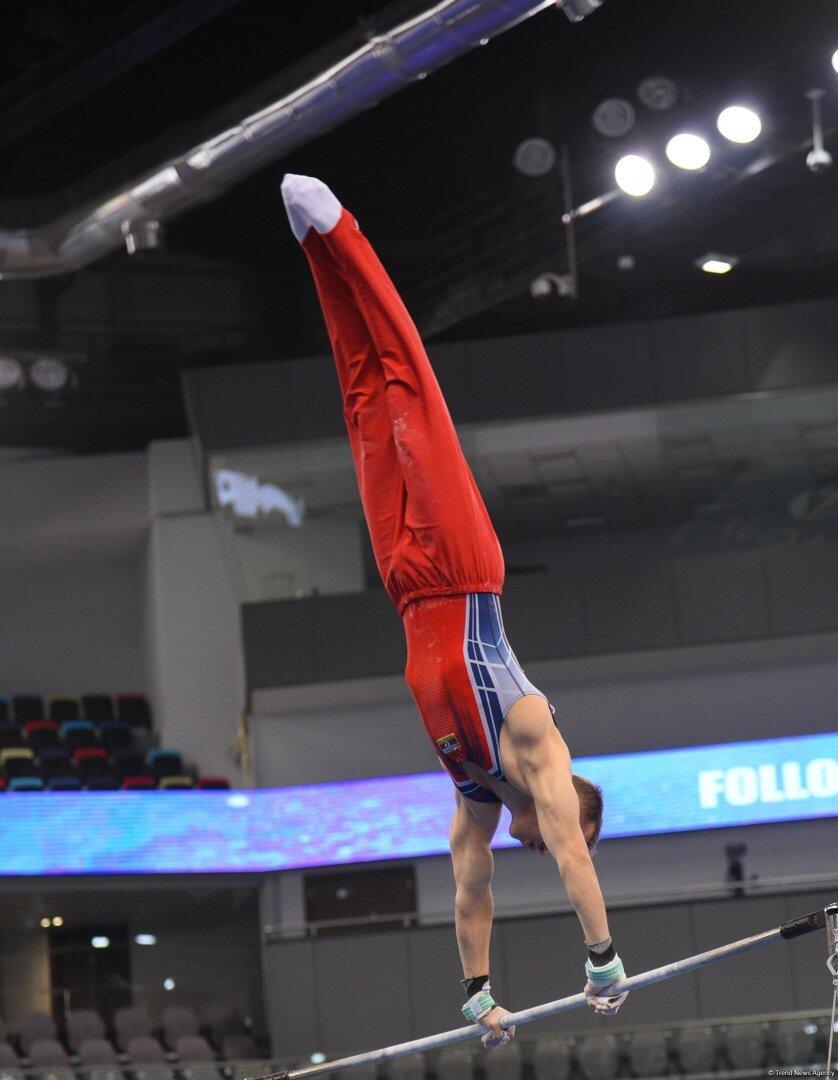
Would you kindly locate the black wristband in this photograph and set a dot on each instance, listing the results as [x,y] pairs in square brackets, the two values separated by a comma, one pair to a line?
[474,986]
[601,959]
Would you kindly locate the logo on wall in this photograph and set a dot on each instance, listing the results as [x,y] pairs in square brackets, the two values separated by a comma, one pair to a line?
[249,498]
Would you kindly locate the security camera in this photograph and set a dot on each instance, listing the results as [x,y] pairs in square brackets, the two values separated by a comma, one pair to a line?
[818,160]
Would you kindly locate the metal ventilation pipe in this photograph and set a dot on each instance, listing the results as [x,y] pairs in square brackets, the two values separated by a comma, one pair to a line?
[373,72]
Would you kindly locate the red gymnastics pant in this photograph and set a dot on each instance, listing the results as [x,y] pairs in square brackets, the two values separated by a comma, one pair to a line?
[433,541]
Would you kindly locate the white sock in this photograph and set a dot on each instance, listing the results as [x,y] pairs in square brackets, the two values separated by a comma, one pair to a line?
[309,204]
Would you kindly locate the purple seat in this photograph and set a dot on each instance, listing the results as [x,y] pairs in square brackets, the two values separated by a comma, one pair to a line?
[178,1022]
[194,1048]
[34,1027]
[97,1051]
[145,1049]
[130,1021]
[102,783]
[47,1052]
[83,1024]
[55,761]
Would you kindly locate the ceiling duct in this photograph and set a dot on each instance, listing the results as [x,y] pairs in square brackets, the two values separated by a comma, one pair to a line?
[385,64]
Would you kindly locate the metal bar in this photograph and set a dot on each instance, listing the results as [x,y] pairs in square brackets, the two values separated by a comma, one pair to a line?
[794,928]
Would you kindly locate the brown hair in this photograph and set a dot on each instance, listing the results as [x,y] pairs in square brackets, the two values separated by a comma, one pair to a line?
[590,806]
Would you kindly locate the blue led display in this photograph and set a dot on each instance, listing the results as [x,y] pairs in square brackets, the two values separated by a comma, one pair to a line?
[658,791]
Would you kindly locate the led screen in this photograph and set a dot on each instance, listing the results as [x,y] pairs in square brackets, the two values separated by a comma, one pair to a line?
[658,791]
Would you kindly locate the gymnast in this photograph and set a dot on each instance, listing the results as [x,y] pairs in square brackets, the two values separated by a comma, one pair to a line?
[442,565]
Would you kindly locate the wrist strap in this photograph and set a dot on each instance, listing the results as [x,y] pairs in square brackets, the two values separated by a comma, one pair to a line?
[474,985]
[478,1005]
[605,974]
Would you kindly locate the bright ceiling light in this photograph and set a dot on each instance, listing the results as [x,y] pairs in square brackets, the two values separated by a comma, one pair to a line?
[688,151]
[713,263]
[168,984]
[145,939]
[739,124]
[634,175]
[57,920]
[49,374]
[835,60]
[46,923]
[100,941]
[11,373]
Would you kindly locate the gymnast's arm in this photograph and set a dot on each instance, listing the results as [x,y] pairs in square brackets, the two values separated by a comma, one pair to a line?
[472,829]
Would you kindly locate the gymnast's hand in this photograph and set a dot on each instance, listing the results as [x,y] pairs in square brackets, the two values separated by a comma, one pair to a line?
[496,1036]
[602,988]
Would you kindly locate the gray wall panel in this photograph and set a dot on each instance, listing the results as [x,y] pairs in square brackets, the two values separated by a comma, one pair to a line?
[608,367]
[761,982]
[358,634]
[793,344]
[722,596]
[361,999]
[279,643]
[544,615]
[450,361]
[316,410]
[700,355]
[291,982]
[435,975]
[804,587]
[516,376]
[630,607]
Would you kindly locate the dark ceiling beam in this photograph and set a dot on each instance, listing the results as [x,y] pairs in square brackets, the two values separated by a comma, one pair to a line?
[92,74]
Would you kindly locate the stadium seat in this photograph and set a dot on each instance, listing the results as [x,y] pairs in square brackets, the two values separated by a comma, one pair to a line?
[134,710]
[63,707]
[649,1053]
[194,1048]
[85,1025]
[697,1049]
[114,734]
[90,761]
[164,763]
[745,1045]
[5,711]
[139,783]
[796,1041]
[130,1021]
[503,1064]
[17,761]
[77,734]
[3,783]
[179,1021]
[223,1020]
[598,1057]
[55,761]
[35,1027]
[145,1048]
[10,735]
[213,783]
[407,1068]
[40,734]
[8,1057]
[105,782]
[551,1059]
[97,707]
[128,763]
[176,783]
[25,783]
[456,1064]
[238,1046]
[64,783]
[27,707]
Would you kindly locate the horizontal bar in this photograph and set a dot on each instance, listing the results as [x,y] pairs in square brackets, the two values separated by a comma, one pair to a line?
[794,928]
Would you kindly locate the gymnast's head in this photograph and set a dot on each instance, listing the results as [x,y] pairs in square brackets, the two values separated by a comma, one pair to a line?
[524,824]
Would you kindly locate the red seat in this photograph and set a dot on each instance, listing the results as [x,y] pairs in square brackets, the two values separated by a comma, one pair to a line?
[91,761]
[139,783]
[41,733]
[213,783]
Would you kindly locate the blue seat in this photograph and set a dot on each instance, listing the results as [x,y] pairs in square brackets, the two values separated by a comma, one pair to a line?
[64,783]
[76,734]
[26,783]
[164,763]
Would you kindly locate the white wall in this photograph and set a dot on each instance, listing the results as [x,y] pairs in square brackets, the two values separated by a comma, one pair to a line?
[193,641]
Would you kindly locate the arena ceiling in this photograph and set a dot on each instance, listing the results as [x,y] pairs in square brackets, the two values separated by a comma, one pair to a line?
[93,94]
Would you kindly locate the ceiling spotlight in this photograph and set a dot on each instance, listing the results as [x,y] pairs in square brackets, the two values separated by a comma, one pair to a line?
[535,157]
[739,124]
[11,374]
[57,920]
[100,941]
[713,263]
[168,984]
[634,175]
[145,939]
[49,374]
[835,61]
[614,117]
[626,263]
[658,93]
[46,923]
[688,151]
